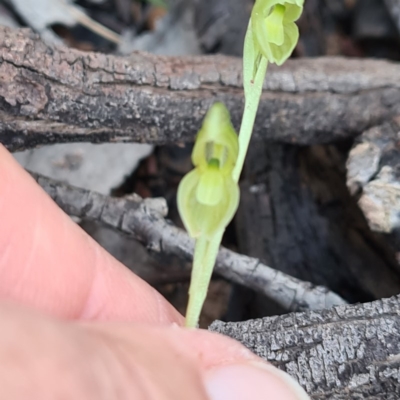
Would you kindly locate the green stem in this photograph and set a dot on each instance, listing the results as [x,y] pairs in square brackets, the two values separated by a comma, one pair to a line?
[205,255]
[252,99]
[192,312]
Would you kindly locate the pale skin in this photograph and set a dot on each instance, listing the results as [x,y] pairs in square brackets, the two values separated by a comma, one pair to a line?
[76,324]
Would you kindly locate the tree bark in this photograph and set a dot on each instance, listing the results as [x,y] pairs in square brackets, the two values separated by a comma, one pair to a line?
[348,352]
[54,94]
[373,176]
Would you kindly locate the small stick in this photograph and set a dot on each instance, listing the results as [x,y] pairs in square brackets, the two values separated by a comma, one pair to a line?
[94,26]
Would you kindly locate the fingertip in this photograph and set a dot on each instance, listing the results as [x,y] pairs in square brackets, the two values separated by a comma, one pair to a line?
[47,261]
[256,381]
[227,369]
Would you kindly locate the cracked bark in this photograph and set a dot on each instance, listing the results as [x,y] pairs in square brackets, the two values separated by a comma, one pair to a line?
[373,178]
[54,94]
[144,221]
[348,352]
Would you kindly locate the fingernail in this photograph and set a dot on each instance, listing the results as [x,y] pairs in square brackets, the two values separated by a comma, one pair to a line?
[255,381]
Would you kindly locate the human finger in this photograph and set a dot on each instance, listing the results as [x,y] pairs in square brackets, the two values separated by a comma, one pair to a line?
[53,359]
[49,262]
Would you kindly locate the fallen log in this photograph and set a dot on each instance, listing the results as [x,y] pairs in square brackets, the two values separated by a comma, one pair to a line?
[55,94]
[348,352]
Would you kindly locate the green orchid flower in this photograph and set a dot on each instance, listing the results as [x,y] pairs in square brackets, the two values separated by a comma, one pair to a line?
[207,200]
[275,33]
[207,196]
[271,37]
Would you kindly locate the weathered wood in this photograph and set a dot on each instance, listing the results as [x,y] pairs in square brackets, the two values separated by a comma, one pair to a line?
[50,95]
[349,352]
[297,215]
[373,177]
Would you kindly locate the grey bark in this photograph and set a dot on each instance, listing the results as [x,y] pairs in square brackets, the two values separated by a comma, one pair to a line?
[54,94]
[348,352]
[144,221]
[373,172]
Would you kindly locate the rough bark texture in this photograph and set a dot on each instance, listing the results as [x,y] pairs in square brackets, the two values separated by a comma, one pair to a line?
[50,95]
[349,352]
[297,216]
[144,220]
[373,177]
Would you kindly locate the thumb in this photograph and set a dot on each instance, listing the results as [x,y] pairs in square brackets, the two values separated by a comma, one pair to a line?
[174,363]
[44,358]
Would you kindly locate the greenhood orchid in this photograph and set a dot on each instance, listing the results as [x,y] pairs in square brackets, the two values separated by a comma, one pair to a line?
[275,33]
[270,38]
[208,198]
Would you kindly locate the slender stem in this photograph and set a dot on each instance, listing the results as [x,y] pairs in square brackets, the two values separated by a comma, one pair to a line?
[205,255]
[252,99]
[195,304]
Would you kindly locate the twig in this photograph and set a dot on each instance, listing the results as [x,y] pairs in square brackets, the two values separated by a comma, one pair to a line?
[144,220]
[93,25]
